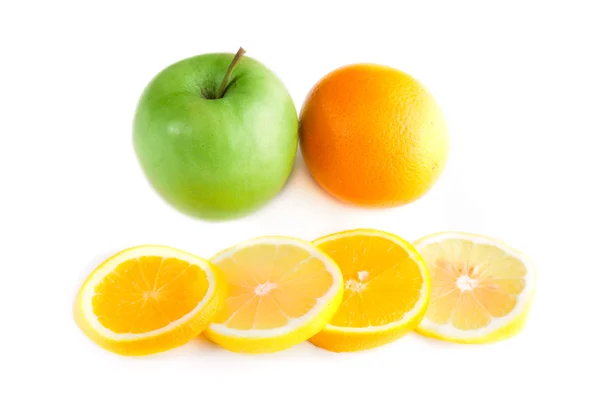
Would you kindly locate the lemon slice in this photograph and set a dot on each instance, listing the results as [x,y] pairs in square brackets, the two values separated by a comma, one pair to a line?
[281,292]
[481,288]
[386,290]
[149,299]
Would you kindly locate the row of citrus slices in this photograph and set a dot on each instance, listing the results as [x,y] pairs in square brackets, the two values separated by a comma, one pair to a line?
[348,291]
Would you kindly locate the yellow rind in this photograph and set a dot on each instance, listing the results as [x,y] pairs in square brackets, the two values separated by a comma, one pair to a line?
[351,341]
[503,333]
[274,344]
[165,340]
[271,344]
[344,339]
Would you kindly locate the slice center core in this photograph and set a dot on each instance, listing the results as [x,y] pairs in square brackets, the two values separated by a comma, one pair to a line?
[363,275]
[358,285]
[465,282]
[151,294]
[264,288]
[355,285]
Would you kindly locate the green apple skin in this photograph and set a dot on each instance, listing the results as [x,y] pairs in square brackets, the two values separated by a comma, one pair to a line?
[212,158]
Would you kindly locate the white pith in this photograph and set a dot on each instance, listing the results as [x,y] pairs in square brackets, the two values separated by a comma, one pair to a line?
[523,298]
[89,289]
[294,323]
[419,305]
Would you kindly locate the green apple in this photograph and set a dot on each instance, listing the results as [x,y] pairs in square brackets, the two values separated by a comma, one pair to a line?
[216,135]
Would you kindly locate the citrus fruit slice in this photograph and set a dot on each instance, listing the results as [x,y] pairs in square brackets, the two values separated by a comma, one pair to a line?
[149,299]
[281,292]
[386,290]
[481,288]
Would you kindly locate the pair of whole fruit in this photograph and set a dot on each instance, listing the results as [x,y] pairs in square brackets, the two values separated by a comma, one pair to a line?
[217,134]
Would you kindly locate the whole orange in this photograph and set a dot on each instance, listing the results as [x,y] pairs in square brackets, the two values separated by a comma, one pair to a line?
[373,136]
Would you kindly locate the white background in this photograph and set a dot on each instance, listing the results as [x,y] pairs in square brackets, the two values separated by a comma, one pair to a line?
[519,83]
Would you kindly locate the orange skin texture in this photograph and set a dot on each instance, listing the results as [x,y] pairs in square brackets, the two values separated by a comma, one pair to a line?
[373,136]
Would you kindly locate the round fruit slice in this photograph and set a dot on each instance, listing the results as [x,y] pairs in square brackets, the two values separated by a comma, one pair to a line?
[149,299]
[281,292]
[481,288]
[386,290]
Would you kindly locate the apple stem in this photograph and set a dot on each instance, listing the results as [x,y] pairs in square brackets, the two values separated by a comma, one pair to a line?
[225,80]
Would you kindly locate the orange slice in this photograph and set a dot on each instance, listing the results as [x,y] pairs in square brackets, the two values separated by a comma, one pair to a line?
[281,292]
[481,288]
[386,290]
[149,299]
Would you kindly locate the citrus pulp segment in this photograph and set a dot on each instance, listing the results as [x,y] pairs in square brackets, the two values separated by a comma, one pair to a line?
[281,292]
[149,299]
[481,288]
[386,290]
